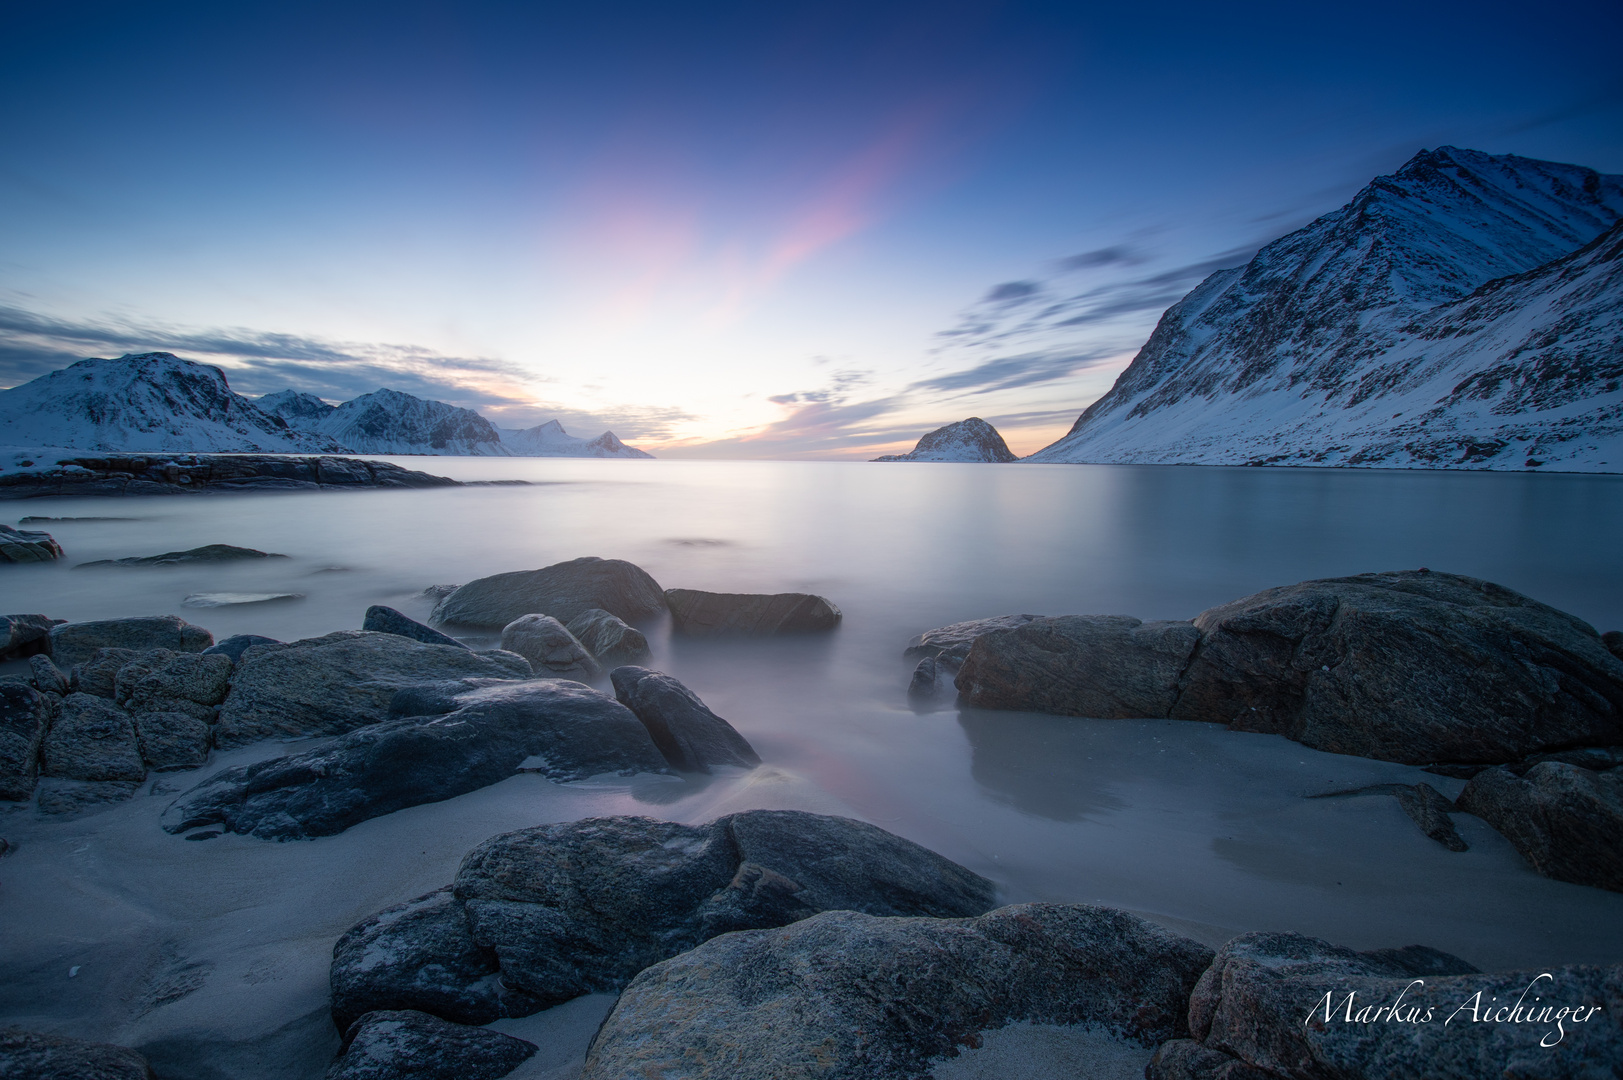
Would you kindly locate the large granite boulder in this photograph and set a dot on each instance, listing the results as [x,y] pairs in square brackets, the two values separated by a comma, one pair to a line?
[707,614]
[955,639]
[551,650]
[1565,820]
[542,915]
[23,635]
[46,677]
[99,674]
[17,546]
[25,1055]
[73,643]
[691,737]
[237,644]
[847,996]
[563,590]
[337,683]
[609,639]
[405,1044]
[161,681]
[1284,1005]
[564,730]
[1105,666]
[208,553]
[172,740]
[386,620]
[25,714]
[91,739]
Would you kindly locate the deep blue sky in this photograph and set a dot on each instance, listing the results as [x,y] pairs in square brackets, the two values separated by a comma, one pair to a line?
[746,228]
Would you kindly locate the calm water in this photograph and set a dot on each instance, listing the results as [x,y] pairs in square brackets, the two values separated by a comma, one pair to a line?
[1202,828]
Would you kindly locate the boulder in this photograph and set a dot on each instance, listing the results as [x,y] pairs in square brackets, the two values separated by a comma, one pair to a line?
[691,737]
[169,682]
[73,643]
[705,614]
[24,635]
[27,547]
[1613,640]
[25,1055]
[1286,1005]
[551,650]
[926,684]
[564,730]
[1106,666]
[954,640]
[99,674]
[172,740]
[401,1044]
[91,739]
[847,996]
[237,644]
[386,620]
[565,909]
[206,553]
[337,683]
[46,677]
[1564,819]
[563,590]
[609,639]
[25,714]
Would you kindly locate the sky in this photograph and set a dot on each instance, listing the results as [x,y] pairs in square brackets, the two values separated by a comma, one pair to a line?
[750,230]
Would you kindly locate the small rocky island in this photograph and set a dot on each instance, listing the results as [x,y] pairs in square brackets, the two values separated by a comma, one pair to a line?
[967,440]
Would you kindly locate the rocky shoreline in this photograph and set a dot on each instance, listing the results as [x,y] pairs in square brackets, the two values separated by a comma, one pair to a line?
[182,474]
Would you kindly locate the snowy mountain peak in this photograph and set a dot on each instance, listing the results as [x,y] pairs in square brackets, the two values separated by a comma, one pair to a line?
[297,408]
[551,440]
[967,440]
[390,422]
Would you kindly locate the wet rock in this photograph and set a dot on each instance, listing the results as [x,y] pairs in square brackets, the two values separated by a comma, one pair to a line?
[704,614]
[91,739]
[76,798]
[1613,640]
[27,547]
[1564,819]
[609,639]
[25,714]
[74,643]
[386,620]
[25,1055]
[1425,806]
[563,590]
[1597,758]
[864,997]
[551,650]
[1104,666]
[955,640]
[208,553]
[337,683]
[24,635]
[172,740]
[691,737]
[46,676]
[564,730]
[169,682]
[236,599]
[237,644]
[393,1045]
[560,910]
[925,685]
[99,674]
[1289,1005]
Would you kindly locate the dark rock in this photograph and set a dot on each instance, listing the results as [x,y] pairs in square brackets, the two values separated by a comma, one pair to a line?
[386,620]
[25,1055]
[691,737]
[551,650]
[237,644]
[75,798]
[73,643]
[703,614]
[560,910]
[1104,666]
[91,739]
[27,547]
[1564,819]
[46,676]
[609,639]
[337,683]
[925,685]
[564,730]
[955,640]
[396,1045]
[24,635]
[1424,804]
[99,674]
[172,740]
[1596,758]
[236,599]
[169,682]
[206,553]
[563,590]
[866,998]
[162,474]
[25,714]
[1613,640]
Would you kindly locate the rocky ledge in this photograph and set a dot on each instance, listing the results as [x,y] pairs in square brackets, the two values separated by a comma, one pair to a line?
[159,474]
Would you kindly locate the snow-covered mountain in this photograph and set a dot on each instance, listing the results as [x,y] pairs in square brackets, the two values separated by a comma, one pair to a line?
[152,402]
[1465,312]
[389,422]
[298,409]
[551,440]
[967,440]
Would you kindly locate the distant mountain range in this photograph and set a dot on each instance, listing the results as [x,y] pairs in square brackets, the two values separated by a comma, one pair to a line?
[1465,312]
[158,402]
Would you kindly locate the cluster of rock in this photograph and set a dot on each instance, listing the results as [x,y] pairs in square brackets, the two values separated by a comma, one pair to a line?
[160,474]
[19,546]
[1463,676]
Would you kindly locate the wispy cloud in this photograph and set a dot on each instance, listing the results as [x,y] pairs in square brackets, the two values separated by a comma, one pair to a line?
[1009,372]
